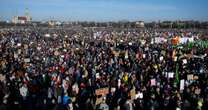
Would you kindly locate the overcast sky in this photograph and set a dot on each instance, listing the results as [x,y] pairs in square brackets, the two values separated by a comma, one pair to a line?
[106,10]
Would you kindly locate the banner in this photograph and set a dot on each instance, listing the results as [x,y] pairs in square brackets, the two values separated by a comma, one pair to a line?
[102,91]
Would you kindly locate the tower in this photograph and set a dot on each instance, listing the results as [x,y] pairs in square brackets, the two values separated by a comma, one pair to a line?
[27,15]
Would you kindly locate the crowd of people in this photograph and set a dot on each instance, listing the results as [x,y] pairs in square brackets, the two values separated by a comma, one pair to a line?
[63,69]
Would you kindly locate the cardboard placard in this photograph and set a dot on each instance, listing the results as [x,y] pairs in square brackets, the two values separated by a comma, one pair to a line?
[25,46]
[197,91]
[190,77]
[196,77]
[2,77]
[175,58]
[163,52]
[126,55]
[133,93]
[99,100]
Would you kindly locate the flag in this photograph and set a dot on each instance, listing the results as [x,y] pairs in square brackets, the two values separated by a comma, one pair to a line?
[177,74]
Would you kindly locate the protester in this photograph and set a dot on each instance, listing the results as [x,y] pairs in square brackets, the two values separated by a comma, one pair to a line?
[86,69]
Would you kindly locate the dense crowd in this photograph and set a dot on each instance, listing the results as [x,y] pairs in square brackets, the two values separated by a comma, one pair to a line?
[61,69]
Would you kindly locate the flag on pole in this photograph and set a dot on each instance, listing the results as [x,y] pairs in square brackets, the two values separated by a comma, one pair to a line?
[177,74]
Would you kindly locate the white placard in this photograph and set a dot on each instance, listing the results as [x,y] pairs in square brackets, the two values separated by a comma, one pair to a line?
[19,44]
[170,75]
[15,55]
[47,35]
[139,95]
[38,48]
[175,58]
[184,61]
[182,83]
[144,55]
[161,58]
[19,51]
[26,60]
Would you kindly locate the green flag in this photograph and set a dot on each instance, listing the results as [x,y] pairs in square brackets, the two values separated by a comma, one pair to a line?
[177,74]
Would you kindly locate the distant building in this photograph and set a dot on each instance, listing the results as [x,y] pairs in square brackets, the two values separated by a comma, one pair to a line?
[54,23]
[140,24]
[21,19]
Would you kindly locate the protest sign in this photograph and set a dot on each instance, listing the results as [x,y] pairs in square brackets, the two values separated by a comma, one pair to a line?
[27,60]
[98,100]
[126,55]
[196,77]
[144,55]
[19,51]
[102,91]
[133,93]
[19,44]
[2,77]
[190,77]
[163,53]
[47,35]
[161,58]
[100,94]
[184,61]
[153,82]
[175,41]
[197,91]
[170,74]
[15,55]
[182,83]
